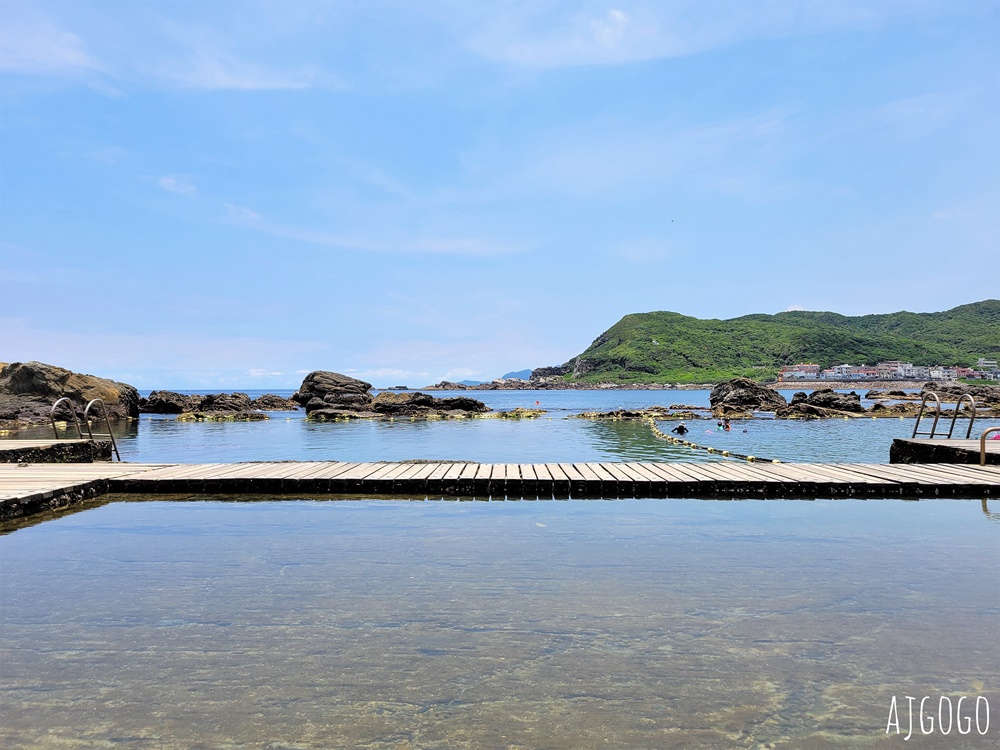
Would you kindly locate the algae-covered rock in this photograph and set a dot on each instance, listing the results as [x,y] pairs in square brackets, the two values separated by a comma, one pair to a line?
[221,416]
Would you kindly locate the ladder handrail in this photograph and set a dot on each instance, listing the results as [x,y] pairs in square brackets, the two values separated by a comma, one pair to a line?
[72,410]
[982,444]
[920,415]
[972,414]
[107,422]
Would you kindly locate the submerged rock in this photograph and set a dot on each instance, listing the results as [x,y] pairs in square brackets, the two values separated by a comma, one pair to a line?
[518,413]
[28,390]
[222,416]
[737,397]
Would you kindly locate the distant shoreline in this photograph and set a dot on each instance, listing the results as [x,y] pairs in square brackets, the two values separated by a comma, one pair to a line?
[787,385]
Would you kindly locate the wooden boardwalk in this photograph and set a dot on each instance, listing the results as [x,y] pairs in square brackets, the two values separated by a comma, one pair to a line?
[30,485]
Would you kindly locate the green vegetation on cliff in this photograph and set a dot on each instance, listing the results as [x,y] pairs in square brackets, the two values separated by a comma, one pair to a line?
[665,347]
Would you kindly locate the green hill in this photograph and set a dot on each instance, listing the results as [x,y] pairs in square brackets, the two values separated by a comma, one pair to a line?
[665,347]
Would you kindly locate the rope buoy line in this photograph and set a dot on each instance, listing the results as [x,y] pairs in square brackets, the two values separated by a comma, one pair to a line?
[728,454]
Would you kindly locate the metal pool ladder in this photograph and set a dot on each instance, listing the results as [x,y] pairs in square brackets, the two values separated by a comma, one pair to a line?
[86,419]
[937,415]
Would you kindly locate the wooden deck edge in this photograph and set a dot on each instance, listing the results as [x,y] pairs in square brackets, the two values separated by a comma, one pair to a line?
[538,489]
[49,500]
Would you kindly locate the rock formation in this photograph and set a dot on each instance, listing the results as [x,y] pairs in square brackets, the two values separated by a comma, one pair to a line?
[331,390]
[330,396]
[984,394]
[28,390]
[273,402]
[169,402]
[739,397]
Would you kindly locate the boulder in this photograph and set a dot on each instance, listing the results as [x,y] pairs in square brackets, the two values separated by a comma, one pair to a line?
[421,404]
[333,390]
[273,402]
[169,402]
[827,398]
[232,402]
[742,395]
[28,390]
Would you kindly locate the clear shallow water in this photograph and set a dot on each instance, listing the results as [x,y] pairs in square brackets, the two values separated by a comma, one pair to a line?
[551,438]
[625,624]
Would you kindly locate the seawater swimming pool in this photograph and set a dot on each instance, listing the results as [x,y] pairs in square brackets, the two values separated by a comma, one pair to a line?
[551,438]
[557,624]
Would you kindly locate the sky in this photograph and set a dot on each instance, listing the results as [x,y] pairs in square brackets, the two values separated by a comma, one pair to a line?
[232,194]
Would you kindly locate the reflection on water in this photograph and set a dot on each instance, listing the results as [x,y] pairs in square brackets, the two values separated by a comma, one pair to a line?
[626,624]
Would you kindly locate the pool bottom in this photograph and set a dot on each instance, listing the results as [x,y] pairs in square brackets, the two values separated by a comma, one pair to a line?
[579,624]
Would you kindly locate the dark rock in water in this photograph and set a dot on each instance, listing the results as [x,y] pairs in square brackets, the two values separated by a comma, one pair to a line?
[334,415]
[28,390]
[273,402]
[421,404]
[334,391]
[168,402]
[827,398]
[236,402]
[897,394]
[824,403]
[983,394]
[221,416]
[446,385]
[742,395]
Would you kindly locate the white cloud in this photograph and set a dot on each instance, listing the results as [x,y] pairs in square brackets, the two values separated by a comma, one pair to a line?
[214,70]
[260,372]
[34,45]
[793,308]
[376,242]
[587,32]
[608,31]
[241,214]
[173,185]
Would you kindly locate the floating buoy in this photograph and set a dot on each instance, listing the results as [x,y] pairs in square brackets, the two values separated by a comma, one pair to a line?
[751,459]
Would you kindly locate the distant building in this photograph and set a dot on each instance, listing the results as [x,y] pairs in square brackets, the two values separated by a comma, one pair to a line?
[801,371]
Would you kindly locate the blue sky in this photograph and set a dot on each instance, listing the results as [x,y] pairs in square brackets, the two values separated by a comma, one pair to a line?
[231,194]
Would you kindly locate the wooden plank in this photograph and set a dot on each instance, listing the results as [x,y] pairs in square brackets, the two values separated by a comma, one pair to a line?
[577,482]
[454,472]
[360,471]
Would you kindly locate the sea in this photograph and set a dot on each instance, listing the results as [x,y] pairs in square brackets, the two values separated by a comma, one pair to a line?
[553,437]
[308,623]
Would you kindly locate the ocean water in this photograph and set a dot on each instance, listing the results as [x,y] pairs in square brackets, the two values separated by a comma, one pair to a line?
[550,438]
[393,625]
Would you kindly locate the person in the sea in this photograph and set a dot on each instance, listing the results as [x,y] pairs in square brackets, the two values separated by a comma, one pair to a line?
[680,429]
[726,425]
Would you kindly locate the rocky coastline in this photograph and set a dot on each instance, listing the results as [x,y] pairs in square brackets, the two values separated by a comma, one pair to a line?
[28,390]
